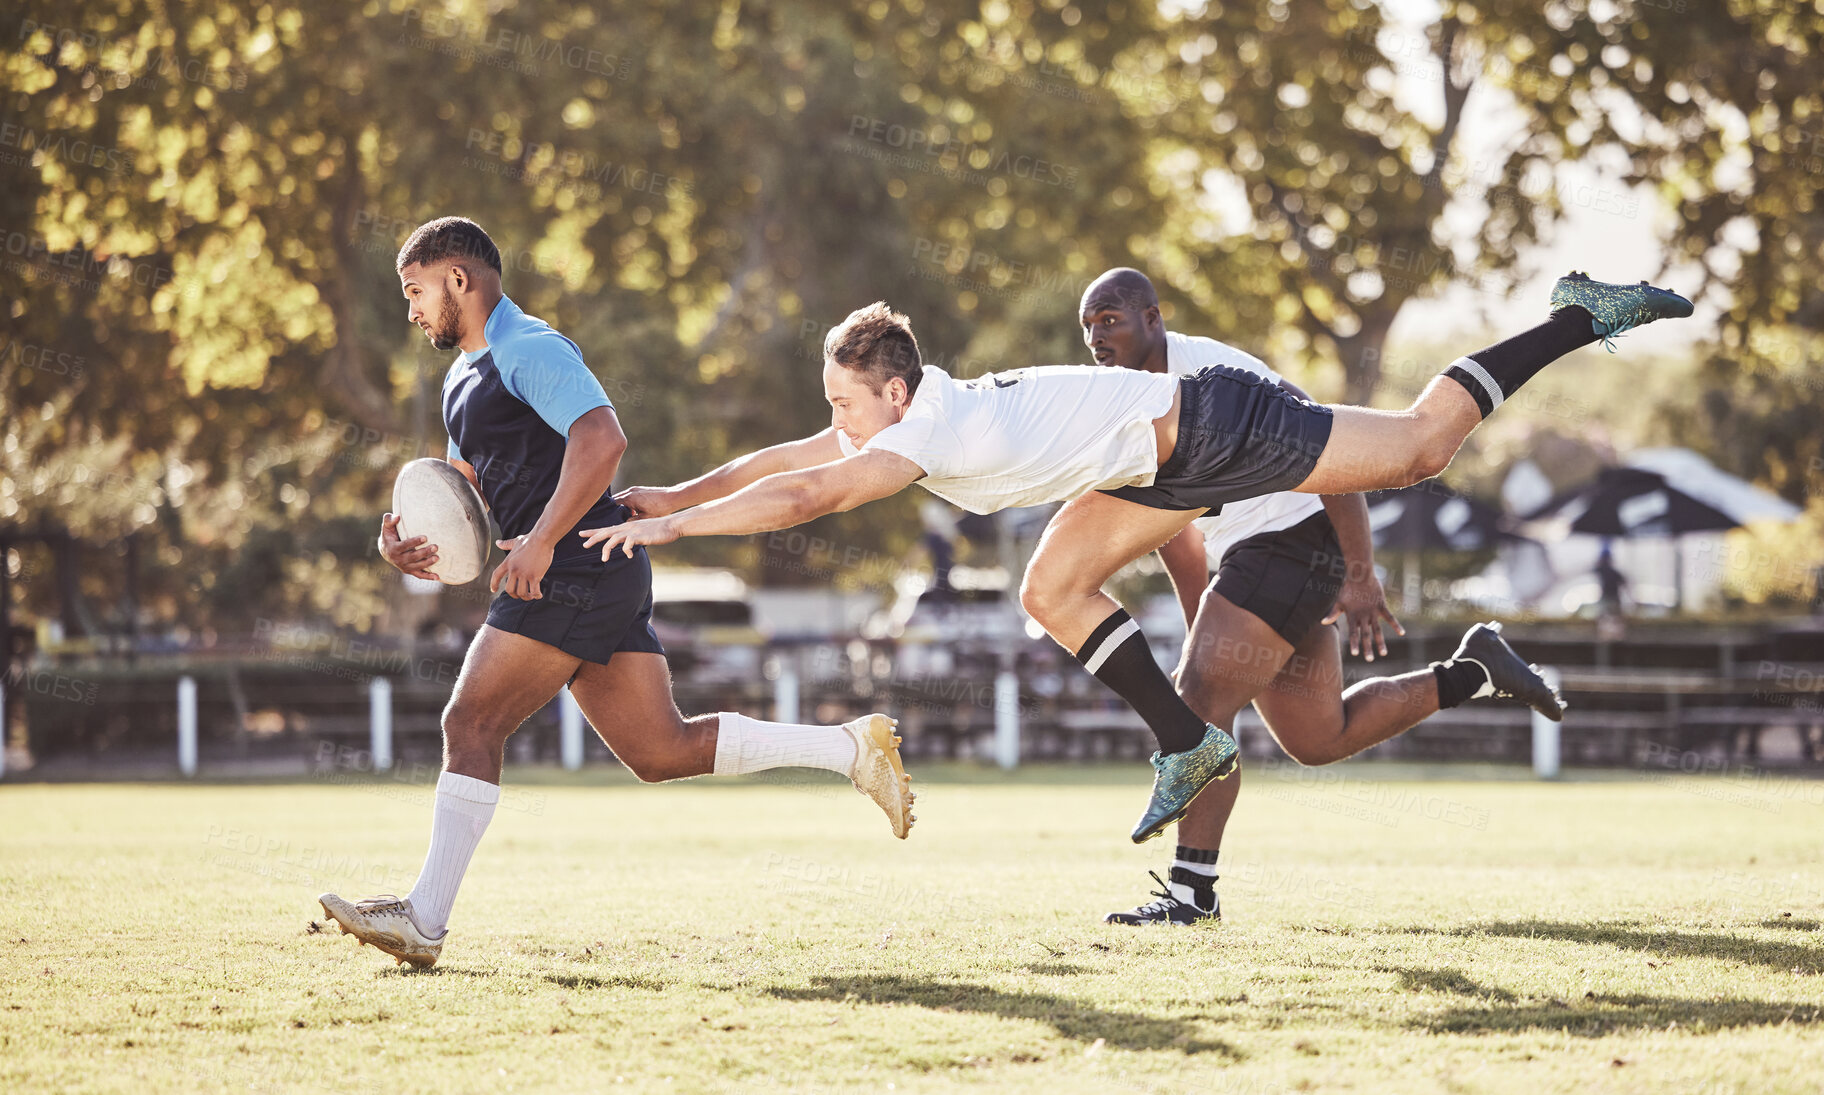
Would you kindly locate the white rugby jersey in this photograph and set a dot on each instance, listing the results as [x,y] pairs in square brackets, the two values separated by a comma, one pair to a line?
[1029,436]
[1251,517]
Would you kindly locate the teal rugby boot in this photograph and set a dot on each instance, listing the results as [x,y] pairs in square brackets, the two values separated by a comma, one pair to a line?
[1617,308]
[1178,777]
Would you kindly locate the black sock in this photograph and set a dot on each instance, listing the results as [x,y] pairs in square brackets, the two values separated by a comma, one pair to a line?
[1458,681]
[1493,374]
[1117,655]
[1200,888]
[1194,869]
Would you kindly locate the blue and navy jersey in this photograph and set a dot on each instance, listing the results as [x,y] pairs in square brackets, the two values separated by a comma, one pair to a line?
[509,409]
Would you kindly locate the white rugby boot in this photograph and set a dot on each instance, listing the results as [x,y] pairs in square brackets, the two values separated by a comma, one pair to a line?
[877,772]
[386,922]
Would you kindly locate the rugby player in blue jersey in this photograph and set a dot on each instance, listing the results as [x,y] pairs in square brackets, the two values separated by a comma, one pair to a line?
[531,427]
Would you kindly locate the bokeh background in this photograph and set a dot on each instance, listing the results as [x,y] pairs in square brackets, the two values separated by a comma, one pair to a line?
[209,381]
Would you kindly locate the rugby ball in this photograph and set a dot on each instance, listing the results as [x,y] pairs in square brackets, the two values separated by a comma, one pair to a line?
[434,500]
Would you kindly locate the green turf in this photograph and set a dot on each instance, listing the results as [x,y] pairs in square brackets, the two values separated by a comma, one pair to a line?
[1472,935]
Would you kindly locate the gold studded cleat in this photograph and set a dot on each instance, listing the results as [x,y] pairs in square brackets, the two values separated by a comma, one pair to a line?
[386,922]
[877,772]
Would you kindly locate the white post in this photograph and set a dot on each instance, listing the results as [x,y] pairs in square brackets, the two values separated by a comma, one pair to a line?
[1545,734]
[570,730]
[1007,719]
[186,725]
[380,722]
[785,689]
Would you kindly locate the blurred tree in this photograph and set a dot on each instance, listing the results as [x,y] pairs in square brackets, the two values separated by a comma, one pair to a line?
[203,197]
[200,251]
[904,152]
[1311,156]
[1721,107]
[213,191]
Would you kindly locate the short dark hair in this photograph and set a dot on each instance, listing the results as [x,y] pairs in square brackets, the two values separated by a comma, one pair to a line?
[876,342]
[448,238]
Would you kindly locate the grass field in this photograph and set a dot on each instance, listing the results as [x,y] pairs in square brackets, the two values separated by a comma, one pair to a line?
[1382,934]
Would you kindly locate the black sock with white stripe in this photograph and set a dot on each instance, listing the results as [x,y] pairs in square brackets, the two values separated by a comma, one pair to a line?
[1492,375]
[1193,877]
[1117,655]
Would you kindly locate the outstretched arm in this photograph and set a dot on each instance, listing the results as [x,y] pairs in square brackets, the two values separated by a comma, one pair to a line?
[775,502]
[732,476]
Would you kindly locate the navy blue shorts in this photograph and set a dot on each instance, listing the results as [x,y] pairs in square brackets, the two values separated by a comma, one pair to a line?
[590,609]
[1289,578]
[1239,436]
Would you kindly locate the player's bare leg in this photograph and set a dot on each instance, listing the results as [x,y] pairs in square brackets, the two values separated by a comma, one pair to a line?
[1316,722]
[1233,657]
[630,704]
[1371,450]
[1374,449]
[1086,542]
[1230,657]
[505,678]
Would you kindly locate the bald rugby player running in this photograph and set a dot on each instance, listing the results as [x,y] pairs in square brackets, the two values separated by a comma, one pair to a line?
[1286,566]
[1142,454]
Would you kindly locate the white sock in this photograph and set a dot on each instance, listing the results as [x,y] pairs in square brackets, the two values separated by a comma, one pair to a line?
[746,745]
[464,807]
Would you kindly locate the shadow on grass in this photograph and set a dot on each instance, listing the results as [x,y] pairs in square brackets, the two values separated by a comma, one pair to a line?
[1659,941]
[1055,969]
[1790,922]
[1070,1018]
[562,980]
[1595,1015]
[409,970]
[593,981]
[1451,980]
[1599,1014]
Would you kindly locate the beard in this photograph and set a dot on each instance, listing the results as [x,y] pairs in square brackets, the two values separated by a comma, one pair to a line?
[446,332]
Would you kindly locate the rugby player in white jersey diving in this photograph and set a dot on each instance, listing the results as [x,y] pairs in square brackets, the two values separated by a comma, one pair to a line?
[1141,454]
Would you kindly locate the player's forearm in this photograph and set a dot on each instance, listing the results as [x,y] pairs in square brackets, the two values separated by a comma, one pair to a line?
[1349,516]
[1185,565]
[591,459]
[736,475]
[774,502]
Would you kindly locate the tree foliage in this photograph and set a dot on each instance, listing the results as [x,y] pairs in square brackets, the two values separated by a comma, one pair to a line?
[1721,108]
[203,199]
